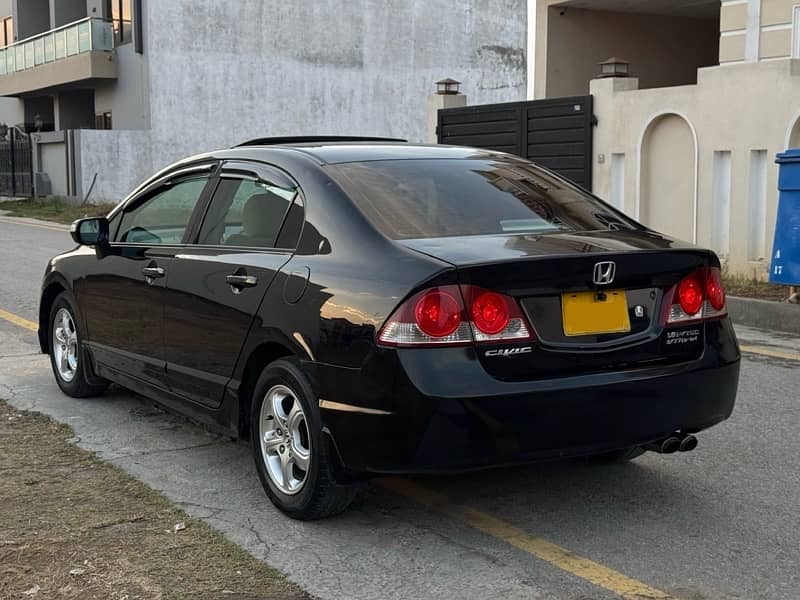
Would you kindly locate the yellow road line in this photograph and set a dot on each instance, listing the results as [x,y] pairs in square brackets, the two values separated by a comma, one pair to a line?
[16,320]
[770,352]
[16,221]
[545,550]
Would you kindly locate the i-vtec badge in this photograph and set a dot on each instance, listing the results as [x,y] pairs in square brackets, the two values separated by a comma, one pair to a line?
[509,351]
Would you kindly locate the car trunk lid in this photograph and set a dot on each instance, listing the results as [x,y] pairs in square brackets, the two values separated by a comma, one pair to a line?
[543,273]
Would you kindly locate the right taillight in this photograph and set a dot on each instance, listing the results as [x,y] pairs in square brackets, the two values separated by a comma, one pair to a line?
[696,297]
[455,315]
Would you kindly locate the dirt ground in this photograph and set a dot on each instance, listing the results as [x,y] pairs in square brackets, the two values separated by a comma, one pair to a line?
[72,526]
[751,288]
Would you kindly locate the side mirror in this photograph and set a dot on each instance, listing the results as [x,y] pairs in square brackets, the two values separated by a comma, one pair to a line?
[90,232]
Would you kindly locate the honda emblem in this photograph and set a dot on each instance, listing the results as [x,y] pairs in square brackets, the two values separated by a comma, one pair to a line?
[604,273]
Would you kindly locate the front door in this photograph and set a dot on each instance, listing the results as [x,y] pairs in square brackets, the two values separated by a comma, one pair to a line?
[216,286]
[122,296]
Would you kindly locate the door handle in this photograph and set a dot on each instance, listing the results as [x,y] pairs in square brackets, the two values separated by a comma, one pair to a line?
[152,273]
[241,281]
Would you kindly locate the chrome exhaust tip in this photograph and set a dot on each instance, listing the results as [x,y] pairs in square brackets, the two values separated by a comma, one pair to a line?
[668,445]
[688,443]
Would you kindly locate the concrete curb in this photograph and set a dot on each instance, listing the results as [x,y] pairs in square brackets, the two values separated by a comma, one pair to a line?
[5,218]
[763,314]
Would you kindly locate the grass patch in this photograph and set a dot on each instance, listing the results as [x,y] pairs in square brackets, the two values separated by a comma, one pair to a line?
[54,209]
[749,287]
[73,526]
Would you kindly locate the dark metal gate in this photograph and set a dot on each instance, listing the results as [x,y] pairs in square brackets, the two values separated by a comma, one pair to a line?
[16,163]
[555,133]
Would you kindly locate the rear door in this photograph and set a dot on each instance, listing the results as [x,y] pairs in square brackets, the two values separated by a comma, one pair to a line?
[216,285]
[122,295]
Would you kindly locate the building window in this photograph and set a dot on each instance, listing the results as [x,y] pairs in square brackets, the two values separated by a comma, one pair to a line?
[120,13]
[7,31]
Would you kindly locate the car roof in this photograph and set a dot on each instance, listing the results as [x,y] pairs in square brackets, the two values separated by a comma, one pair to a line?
[344,152]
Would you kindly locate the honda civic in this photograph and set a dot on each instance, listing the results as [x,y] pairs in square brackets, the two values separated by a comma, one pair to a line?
[360,306]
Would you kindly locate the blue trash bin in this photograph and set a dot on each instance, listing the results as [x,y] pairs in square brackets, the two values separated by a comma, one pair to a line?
[785,266]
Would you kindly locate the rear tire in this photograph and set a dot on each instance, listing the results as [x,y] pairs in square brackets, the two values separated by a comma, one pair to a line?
[616,457]
[67,356]
[295,460]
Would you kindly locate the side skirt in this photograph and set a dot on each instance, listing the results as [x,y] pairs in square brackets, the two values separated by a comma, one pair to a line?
[222,420]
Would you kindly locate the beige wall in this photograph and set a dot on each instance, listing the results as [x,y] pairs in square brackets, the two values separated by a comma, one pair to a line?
[776,12]
[664,50]
[737,108]
[731,47]
[770,29]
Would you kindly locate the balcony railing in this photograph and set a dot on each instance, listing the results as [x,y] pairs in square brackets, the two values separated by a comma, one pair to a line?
[87,35]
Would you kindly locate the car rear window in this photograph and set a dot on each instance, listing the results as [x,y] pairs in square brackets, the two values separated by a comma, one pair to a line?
[427,198]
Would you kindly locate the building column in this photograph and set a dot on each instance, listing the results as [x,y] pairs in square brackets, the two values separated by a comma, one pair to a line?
[437,102]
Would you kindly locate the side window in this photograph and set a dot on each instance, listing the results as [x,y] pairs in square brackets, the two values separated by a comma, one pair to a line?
[246,213]
[162,219]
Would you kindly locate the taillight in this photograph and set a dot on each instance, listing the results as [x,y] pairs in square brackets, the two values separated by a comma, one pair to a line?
[715,293]
[432,317]
[690,294]
[438,313]
[495,317]
[696,297]
[438,316]
[490,313]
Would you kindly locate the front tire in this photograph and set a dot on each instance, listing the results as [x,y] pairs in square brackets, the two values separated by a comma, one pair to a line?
[295,460]
[66,351]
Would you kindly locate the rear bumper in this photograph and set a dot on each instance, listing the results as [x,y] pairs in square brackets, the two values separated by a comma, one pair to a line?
[437,418]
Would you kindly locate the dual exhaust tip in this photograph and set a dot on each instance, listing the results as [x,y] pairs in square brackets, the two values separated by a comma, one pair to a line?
[677,442]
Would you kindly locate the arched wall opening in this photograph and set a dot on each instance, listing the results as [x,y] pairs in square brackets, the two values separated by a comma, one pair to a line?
[668,176]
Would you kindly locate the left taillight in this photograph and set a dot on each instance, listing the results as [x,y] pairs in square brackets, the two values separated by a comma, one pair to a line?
[433,317]
[697,296]
[453,315]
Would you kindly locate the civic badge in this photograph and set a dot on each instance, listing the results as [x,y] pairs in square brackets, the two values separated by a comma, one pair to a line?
[604,273]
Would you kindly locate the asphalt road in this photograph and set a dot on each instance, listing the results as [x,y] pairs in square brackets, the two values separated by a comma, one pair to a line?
[718,523]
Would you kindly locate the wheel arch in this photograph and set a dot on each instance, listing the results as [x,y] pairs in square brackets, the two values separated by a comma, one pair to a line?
[50,292]
[257,360]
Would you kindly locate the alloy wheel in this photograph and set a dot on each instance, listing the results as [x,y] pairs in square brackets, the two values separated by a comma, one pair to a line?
[65,345]
[285,440]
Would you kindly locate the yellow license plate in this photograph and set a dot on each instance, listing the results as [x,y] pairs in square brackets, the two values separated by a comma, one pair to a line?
[587,313]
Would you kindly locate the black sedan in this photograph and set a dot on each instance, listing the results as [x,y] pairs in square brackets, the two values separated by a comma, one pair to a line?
[357,307]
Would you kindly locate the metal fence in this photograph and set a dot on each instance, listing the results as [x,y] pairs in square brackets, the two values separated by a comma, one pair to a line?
[16,163]
[555,133]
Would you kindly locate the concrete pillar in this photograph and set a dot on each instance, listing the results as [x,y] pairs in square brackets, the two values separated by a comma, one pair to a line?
[606,138]
[435,103]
